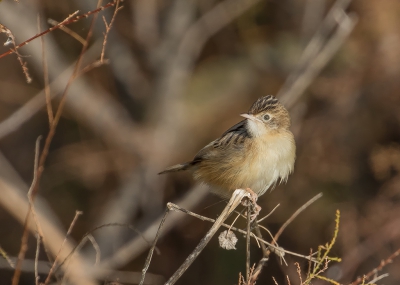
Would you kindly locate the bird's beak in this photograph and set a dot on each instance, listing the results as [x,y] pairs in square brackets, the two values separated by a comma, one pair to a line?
[251,117]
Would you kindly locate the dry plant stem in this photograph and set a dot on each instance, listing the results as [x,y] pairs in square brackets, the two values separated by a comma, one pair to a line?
[108,28]
[235,200]
[383,263]
[263,261]
[230,227]
[291,94]
[248,242]
[95,245]
[151,251]
[380,277]
[69,20]
[37,258]
[6,257]
[67,31]
[11,40]
[77,214]
[295,214]
[96,248]
[24,239]
[316,43]
[46,78]
[43,156]
[269,214]
[35,169]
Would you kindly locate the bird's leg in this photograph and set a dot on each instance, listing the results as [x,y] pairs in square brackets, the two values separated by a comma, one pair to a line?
[253,199]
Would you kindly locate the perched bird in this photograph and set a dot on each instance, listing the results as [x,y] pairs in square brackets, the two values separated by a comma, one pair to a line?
[256,153]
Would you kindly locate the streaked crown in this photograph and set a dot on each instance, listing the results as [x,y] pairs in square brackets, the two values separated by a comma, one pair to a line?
[270,105]
[266,103]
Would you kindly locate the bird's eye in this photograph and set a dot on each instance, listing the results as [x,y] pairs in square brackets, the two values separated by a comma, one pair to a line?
[266,117]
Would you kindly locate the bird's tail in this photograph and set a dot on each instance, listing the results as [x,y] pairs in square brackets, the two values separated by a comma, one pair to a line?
[177,167]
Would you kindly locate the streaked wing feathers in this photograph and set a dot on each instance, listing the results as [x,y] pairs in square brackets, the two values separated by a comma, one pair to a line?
[233,137]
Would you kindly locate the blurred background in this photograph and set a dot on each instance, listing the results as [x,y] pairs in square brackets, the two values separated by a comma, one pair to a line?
[180,72]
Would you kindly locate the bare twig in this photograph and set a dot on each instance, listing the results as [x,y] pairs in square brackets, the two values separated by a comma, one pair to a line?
[151,251]
[69,20]
[108,28]
[295,214]
[269,214]
[5,256]
[96,248]
[263,261]
[77,214]
[248,242]
[11,40]
[35,169]
[67,31]
[230,227]
[316,55]
[37,259]
[44,154]
[377,269]
[377,278]
[235,200]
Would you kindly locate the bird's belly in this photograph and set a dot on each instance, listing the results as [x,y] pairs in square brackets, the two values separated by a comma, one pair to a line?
[254,171]
[258,170]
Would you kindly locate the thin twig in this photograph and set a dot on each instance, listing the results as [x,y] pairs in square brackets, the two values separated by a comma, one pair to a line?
[235,200]
[43,156]
[263,261]
[96,248]
[67,31]
[151,251]
[37,259]
[248,242]
[230,227]
[314,47]
[269,214]
[77,214]
[108,28]
[380,277]
[377,269]
[11,40]
[346,24]
[69,20]
[6,257]
[85,237]
[295,214]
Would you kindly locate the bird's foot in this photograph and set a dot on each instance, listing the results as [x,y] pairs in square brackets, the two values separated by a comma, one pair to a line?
[255,207]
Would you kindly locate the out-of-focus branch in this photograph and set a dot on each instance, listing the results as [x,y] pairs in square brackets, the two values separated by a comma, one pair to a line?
[317,54]
[138,245]
[146,22]
[125,277]
[69,20]
[17,205]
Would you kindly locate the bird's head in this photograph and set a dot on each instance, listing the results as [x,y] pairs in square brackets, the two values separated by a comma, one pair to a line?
[267,115]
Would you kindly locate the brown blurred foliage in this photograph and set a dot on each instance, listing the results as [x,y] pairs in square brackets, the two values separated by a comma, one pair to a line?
[168,91]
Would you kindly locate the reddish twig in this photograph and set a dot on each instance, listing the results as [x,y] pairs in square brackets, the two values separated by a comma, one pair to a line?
[377,269]
[77,214]
[69,20]
[294,215]
[11,41]
[108,28]
[49,138]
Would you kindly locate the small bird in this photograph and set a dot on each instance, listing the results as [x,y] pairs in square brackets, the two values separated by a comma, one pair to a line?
[256,153]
